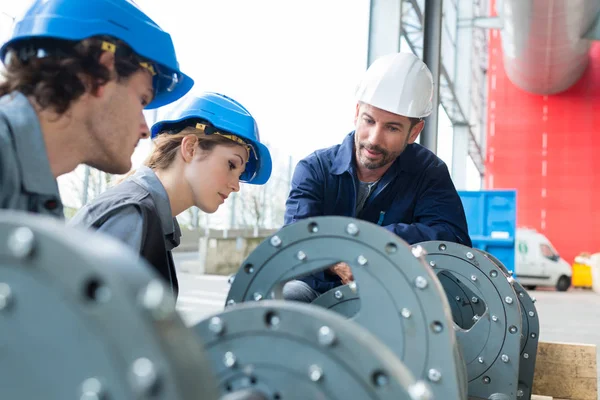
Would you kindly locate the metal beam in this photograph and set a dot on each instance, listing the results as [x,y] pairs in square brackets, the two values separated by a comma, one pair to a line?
[385,24]
[432,40]
[412,31]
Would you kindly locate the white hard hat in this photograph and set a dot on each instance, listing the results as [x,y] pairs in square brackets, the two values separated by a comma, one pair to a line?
[399,83]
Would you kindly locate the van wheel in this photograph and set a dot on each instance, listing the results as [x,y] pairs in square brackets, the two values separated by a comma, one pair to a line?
[530,287]
[564,282]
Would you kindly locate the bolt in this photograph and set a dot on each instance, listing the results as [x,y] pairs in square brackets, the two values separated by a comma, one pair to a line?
[144,376]
[434,375]
[417,251]
[504,358]
[437,326]
[352,286]
[533,335]
[91,389]
[474,299]
[338,294]
[216,325]
[508,300]
[301,255]
[274,320]
[420,282]
[457,298]
[531,313]
[230,302]
[352,229]
[275,241]
[486,379]
[470,255]
[520,393]
[380,379]
[6,296]
[494,318]
[405,313]
[155,298]
[21,242]
[525,355]
[326,336]
[229,360]
[475,317]
[521,294]
[231,279]
[510,273]
[315,373]
[361,260]
[480,360]
[473,278]
[533,300]
[494,273]
[442,247]
[432,264]
[419,391]
[257,296]
[512,329]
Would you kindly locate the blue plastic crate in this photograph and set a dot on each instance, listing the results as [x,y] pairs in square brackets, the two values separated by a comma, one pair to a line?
[492,219]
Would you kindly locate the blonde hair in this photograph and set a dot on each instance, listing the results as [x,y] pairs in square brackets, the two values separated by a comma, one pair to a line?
[167,144]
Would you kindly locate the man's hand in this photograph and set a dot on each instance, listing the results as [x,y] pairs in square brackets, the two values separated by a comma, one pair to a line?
[343,271]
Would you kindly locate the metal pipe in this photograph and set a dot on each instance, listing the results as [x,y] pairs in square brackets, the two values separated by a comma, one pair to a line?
[432,39]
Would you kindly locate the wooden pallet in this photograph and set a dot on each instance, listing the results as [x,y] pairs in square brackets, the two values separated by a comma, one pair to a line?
[565,371]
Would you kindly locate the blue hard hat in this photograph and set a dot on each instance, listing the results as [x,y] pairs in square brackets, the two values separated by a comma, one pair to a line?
[227,115]
[122,19]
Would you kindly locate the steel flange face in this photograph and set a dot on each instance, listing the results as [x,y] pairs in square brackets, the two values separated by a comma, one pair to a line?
[82,318]
[343,300]
[402,302]
[529,334]
[290,350]
[491,345]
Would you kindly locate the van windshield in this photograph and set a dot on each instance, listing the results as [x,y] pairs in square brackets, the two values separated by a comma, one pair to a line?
[549,252]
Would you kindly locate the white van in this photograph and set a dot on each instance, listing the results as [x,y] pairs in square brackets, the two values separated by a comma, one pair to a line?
[538,263]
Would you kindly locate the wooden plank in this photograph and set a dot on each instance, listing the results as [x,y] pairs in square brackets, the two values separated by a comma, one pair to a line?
[566,371]
[538,397]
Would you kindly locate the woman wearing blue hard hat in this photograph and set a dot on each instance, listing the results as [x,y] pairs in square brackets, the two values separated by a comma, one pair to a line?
[77,76]
[203,150]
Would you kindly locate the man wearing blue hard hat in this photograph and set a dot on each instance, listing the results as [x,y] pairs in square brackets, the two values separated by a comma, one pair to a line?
[78,75]
[204,148]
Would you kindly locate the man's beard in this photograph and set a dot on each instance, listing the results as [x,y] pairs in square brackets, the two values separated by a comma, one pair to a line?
[387,157]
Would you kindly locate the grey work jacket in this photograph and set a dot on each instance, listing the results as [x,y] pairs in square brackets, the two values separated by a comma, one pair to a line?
[138,213]
[26,181]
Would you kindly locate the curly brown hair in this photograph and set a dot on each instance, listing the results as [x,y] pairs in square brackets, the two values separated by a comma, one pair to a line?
[57,72]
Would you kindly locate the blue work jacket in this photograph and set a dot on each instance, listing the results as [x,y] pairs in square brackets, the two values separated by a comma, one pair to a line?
[415,198]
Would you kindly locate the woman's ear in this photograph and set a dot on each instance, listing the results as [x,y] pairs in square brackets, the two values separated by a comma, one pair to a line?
[189,146]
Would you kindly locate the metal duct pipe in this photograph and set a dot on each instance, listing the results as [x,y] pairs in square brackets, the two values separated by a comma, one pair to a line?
[542,41]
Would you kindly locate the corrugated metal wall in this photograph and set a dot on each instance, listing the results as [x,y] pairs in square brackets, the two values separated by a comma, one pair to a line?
[548,148]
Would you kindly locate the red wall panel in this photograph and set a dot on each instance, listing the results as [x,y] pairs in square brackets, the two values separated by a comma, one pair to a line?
[546,147]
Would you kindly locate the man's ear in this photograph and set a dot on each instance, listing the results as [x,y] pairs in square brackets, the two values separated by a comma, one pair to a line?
[415,131]
[107,59]
[188,148]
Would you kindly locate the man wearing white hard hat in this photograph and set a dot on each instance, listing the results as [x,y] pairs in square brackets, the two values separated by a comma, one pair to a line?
[378,173]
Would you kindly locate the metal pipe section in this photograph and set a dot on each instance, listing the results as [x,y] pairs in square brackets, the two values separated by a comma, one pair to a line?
[385,28]
[542,41]
[432,39]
